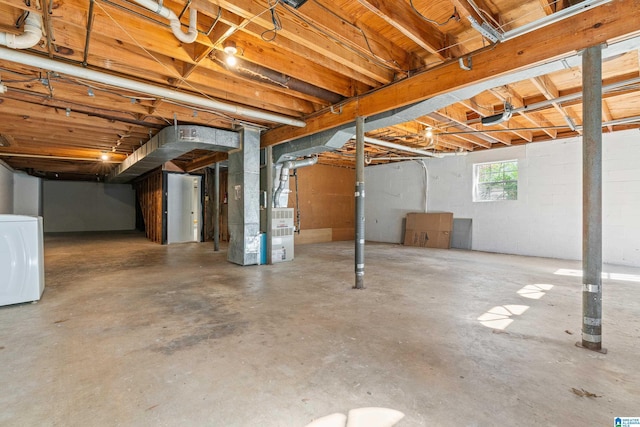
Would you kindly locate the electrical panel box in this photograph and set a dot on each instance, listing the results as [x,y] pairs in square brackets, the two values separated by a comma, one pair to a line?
[282,235]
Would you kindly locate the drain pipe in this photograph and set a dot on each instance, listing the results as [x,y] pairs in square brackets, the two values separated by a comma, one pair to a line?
[284,174]
[136,86]
[188,37]
[394,146]
[31,35]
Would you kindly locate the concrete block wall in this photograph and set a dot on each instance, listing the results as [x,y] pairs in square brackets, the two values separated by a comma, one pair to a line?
[546,220]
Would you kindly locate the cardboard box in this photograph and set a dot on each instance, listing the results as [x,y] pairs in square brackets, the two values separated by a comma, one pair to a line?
[429,230]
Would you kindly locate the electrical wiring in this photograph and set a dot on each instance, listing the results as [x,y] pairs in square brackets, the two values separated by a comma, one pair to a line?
[364,36]
[381,61]
[275,20]
[454,16]
[102,89]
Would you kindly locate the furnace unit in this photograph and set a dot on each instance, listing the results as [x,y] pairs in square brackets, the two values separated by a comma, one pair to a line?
[282,234]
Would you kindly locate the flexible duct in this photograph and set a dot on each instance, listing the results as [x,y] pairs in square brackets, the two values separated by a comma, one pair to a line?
[29,38]
[284,174]
[188,37]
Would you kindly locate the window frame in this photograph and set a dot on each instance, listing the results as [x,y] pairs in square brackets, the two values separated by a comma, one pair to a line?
[476,181]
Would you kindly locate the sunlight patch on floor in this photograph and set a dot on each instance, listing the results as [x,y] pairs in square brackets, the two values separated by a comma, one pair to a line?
[612,276]
[499,317]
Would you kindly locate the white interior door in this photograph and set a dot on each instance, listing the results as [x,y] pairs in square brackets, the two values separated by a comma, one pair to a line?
[183,208]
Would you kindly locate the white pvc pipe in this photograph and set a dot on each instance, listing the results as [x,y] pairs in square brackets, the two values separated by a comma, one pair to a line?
[31,35]
[188,37]
[157,91]
[399,147]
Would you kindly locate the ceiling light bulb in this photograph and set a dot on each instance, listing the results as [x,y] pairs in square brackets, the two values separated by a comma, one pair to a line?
[429,132]
[90,92]
[231,60]
[68,112]
[104,157]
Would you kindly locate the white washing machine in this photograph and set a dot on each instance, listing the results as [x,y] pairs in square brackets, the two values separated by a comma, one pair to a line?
[21,259]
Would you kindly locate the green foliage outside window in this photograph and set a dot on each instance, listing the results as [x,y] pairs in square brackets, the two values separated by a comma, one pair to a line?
[496,181]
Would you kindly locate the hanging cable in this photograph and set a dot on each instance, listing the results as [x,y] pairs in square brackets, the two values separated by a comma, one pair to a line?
[364,36]
[275,20]
[454,16]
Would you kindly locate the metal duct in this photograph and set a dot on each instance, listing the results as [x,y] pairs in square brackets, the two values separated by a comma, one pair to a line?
[170,143]
[328,140]
[284,175]
[266,75]
[333,139]
[243,186]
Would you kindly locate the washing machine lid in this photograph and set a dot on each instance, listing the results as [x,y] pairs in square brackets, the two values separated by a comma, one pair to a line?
[17,218]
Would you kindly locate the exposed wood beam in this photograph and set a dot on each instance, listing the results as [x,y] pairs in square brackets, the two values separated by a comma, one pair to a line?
[465,9]
[589,28]
[473,105]
[204,161]
[367,41]
[606,114]
[508,94]
[405,20]
[308,53]
[459,124]
[549,90]
[548,6]
[302,34]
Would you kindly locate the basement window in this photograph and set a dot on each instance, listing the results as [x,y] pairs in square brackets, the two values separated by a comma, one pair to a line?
[495,181]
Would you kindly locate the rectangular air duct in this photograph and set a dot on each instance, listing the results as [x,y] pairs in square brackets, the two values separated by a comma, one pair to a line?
[170,143]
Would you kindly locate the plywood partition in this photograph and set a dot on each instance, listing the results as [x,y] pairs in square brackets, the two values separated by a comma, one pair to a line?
[149,199]
[325,198]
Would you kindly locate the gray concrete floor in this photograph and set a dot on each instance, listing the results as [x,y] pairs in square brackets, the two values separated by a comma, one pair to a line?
[133,333]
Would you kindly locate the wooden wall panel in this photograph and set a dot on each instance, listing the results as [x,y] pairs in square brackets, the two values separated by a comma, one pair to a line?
[325,195]
[149,199]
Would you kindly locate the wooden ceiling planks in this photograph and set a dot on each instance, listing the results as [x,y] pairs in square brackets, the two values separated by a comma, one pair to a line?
[361,57]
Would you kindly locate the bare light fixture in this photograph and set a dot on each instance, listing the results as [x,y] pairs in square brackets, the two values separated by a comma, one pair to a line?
[231,50]
[429,132]
[104,157]
[68,112]
[90,92]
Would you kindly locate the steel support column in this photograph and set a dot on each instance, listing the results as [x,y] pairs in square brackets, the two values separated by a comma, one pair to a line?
[592,199]
[269,207]
[359,220]
[216,209]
